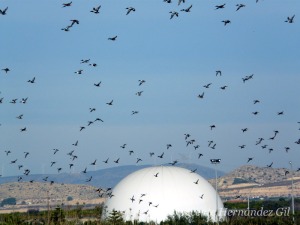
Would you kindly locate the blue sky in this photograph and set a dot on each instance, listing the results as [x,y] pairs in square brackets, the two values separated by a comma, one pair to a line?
[176,57]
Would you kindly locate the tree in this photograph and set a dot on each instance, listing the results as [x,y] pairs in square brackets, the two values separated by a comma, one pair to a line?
[8,201]
[58,215]
[115,217]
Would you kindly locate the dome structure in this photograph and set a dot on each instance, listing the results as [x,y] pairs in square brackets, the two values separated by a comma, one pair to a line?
[152,194]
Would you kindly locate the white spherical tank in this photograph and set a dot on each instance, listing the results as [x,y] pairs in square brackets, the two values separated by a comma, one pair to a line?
[151,194]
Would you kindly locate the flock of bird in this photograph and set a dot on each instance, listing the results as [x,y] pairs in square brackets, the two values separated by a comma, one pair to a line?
[187,138]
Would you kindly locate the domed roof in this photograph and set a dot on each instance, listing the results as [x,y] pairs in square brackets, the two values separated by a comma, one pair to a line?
[151,194]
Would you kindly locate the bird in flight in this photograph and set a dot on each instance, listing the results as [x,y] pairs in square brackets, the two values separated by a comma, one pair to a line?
[161,156]
[129,10]
[156,175]
[242,146]
[31,81]
[207,85]
[23,129]
[249,159]
[132,199]
[180,1]
[290,19]
[226,22]
[139,93]
[26,154]
[218,72]
[3,12]
[187,9]
[96,9]
[79,72]
[201,95]
[113,38]
[20,117]
[7,152]
[97,84]
[173,13]
[141,82]
[239,6]
[67,4]
[110,103]
[280,113]
[196,182]
[220,6]
[6,70]
[269,166]
[74,21]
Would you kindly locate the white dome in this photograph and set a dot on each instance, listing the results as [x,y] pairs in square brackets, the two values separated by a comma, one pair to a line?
[145,197]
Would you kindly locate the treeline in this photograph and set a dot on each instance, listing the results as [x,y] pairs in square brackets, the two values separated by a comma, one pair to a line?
[64,215]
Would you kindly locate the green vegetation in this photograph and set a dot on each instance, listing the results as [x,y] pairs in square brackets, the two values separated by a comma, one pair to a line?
[8,201]
[81,215]
[239,181]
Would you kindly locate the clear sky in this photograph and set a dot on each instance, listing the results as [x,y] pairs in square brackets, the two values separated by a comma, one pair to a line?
[176,57]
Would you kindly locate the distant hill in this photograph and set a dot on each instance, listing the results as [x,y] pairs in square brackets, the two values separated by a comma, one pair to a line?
[105,177]
[243,181]
[259,181]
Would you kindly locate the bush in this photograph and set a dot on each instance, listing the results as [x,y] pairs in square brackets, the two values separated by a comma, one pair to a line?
[8,201]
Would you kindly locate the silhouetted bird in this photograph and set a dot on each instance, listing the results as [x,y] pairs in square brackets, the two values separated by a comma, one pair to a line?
[129,10]
[26,154]
[74,21]
[7,152]
[20,117]
[218,72]
[113,38]
[280,113]
[226,22]
[96,9]
[110,103]
[290,19]
[249,159]
[75,144]
[207,85]
[173,13]
[67,4]
[97,84]
[89,179]
[79,72]
[187,9]
[201,95]
[161,156]
[3,12]
[239,6]
[32,80]
[132,199]
[244,129]
[220,6]
[141,82]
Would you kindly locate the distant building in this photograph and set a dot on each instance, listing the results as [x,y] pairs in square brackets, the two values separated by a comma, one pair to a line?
[151,194]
